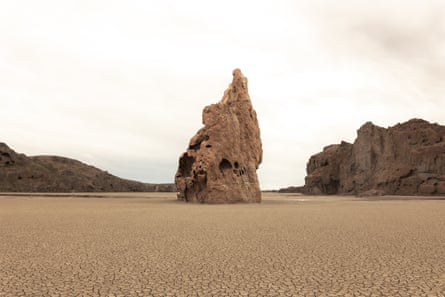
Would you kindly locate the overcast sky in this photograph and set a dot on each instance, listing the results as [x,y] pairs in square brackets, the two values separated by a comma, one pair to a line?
[121,84]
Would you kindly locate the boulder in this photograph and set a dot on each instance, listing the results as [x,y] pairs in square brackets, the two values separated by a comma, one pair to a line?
[406,159]
[221,160]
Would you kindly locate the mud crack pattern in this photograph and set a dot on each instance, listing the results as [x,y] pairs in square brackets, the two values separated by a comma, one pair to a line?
[152,245]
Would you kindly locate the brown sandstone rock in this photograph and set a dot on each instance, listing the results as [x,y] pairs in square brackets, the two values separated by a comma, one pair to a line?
[327,170]
[440,188]
[406,159]
[220,163]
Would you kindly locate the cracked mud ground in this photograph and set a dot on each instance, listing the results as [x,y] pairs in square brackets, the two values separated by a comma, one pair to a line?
[151,245]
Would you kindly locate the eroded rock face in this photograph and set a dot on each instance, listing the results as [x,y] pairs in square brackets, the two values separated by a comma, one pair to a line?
[220,163]
[406,159]
[7,156]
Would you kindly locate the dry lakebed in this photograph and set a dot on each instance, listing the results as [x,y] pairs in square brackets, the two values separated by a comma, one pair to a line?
[150,244]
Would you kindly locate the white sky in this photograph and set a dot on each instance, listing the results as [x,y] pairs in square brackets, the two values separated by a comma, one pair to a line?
[121,84]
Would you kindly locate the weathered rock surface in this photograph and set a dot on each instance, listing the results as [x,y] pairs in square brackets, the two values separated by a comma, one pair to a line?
[406,159]
[20,173]
[220,163]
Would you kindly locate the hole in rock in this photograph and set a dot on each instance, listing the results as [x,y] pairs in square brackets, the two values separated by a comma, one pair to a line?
[185,165]
[195,146]
[208,145]
[224,165]
[242,171]
[236,164]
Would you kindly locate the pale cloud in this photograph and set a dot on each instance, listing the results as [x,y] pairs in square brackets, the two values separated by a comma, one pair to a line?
[121,85]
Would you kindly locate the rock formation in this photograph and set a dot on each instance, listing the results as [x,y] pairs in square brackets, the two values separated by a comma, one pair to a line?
[20,173]
[220,163]
[292,189]
[406,159]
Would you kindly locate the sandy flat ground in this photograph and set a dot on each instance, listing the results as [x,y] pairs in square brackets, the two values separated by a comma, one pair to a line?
[152,245]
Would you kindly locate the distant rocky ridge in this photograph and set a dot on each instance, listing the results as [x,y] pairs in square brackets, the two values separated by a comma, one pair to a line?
[20,173]
[292,189]
[406,159]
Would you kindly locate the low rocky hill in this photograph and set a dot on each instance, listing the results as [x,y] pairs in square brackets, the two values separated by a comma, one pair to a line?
[20,173]
[406,159]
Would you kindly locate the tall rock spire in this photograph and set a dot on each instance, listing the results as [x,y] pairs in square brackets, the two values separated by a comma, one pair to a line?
[220,163]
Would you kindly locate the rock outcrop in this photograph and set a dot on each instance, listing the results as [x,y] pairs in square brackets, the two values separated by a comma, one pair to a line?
[292,189]
[20,173]
[220,163]
[406,159]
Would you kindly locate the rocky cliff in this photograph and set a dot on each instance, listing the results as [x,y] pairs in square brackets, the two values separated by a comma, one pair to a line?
[221,160]
[20,173]
[406,159]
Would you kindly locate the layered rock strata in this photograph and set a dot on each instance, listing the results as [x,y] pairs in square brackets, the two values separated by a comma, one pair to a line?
[406,159]
[220,163]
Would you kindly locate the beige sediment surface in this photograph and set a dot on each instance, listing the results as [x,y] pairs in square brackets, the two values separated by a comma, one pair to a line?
[151,245]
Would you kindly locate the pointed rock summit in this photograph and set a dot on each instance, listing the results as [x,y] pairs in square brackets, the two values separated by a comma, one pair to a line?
[220,163]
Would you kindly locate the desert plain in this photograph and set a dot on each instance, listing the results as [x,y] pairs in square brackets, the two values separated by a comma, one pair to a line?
[150,244]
